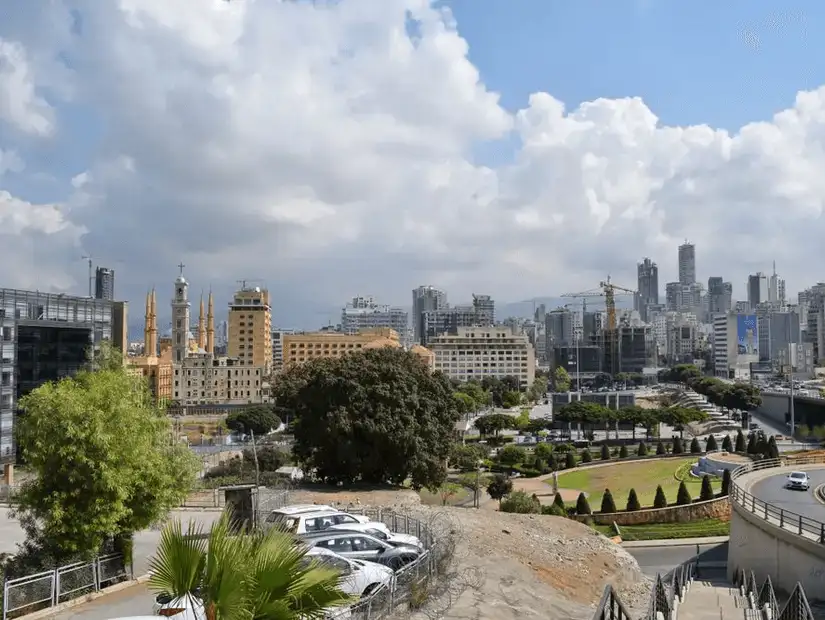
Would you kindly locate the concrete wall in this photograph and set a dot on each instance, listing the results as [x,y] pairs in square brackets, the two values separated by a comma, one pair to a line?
[810,411]
[766,549]
[718,508]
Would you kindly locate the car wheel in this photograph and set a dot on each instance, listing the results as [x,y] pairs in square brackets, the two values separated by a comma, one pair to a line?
[369,589]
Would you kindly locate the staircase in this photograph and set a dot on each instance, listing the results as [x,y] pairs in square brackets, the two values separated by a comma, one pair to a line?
[713,597]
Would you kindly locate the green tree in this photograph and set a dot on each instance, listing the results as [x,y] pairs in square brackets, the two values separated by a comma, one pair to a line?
[623,452]
[740,441]
[608,505]
[499,487]
[605,452]
[642,449]
[725,483]
[695,448]
[569,460]
[683,495]
[751,449]
[494,423]
[710,444]
[104,462]
[727,444]
[375,415]
[270,458]
[586,456]
[537,389]
[511,455]
[466,457]
[582,505]
[521,503]
[633,501]
[660,500]
[558,501]
[543,451]
[511,399]
[447,491]
[706,493]
[660,449]
[250,575]
[464,403]
[257,419]
[561,380]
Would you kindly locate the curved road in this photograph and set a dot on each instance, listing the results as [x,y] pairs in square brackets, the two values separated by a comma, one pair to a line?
[772,490]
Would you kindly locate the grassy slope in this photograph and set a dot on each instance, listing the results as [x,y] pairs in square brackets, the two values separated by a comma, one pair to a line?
[643,476]
[663,531]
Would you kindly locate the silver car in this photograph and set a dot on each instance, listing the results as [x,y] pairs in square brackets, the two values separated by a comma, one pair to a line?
[359,546]
[798,480]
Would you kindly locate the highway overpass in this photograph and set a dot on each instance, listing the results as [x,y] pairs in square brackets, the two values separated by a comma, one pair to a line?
[808,410]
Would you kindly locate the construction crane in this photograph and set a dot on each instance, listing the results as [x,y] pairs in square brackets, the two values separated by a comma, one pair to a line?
[608,290]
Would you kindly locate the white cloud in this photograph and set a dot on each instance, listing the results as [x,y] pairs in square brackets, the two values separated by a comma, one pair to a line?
[20,105]
[326,151]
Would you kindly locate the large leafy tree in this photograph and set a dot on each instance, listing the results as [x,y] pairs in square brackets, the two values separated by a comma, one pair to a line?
[104,461]
[244,576]
[561,380]
[494,423]
[377,415]
[257,419]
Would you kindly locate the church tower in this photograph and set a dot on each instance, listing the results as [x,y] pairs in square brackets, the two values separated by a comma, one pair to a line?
[180,318]
[202,327]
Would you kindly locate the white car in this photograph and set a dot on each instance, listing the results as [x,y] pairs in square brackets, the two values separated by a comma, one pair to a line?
[300,522]
[381,532]
[798,480]
[360,578]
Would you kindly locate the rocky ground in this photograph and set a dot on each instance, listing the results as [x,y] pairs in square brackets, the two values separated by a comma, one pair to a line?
[512,566]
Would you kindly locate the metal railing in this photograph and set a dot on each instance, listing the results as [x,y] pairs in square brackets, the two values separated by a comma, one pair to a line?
[27,594]
[785,519]
[764,598]
[412,583]
[667,594]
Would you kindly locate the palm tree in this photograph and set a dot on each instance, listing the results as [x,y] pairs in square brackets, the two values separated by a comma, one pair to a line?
[244,576]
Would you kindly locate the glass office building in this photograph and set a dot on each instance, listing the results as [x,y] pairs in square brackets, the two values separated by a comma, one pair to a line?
[45,337]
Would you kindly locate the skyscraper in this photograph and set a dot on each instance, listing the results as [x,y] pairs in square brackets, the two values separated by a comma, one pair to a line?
[687,263]
[720,295]
[425,299]
[757,289]
[648,286]
[104,283]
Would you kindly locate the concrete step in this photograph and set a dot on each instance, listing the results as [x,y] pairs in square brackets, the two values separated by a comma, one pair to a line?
[713,599]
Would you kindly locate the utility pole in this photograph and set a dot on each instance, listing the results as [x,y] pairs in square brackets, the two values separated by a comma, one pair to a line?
[90,258]
[790,373]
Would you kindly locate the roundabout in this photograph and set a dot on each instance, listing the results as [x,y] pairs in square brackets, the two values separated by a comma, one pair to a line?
[772,491]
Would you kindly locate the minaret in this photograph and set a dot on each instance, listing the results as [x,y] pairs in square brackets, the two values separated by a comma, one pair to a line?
[147,326]
[180,318]
[202,327]
[153,325]
[210,326]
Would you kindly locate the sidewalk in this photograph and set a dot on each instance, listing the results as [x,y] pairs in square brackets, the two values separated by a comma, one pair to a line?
[677,542]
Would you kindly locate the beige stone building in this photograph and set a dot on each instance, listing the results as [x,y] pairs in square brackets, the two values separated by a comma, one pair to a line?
[203,379]
[250,328]
[478,352]
[299,348]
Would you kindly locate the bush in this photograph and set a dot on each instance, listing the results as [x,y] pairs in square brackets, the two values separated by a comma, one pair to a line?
[707,489]
[586,456]
[582,505]
[678,448]
[569,460]
[605,455]
[608,505]
[710,444]
[623,452]
[660,449]
[660,501]
[633,501]
[725,483]
[740,441]
[552,463]
[554,511]
[683,495]
[695,448]
[727,444]
[521,503]
[642,449]
[559,502]
[773,450]
[752,449]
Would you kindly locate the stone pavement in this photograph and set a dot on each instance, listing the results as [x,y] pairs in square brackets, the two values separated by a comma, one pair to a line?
[133,601]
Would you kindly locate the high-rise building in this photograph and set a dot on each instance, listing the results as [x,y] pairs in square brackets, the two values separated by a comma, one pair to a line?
[757,290]
[720,295]
[425,299]
[776,289]
[648,286]
[278,348]
[250,328]
[104,283]
[363,313]
[485,309]
[687,263]
[46,337]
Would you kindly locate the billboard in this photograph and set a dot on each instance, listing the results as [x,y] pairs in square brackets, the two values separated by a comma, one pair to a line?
[747,335]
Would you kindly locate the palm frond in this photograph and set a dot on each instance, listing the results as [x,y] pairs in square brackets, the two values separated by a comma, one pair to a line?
[177,566]
[226,572]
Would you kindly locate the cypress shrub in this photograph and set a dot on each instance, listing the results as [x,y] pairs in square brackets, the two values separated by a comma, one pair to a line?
[586,456]
[633,501]
[569,460]
[623,452]
[608,505]
[660,448]
[727,444]
[740,441]
[751,449]
[710,445]
[678,448]
[660,501]
[725,483]
[683,495]
[695,448]
[605,456]
[582,505]
[558,501]
[773,450]
[707,489]
[642,449]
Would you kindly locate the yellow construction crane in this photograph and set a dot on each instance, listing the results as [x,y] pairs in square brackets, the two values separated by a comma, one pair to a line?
[608,290]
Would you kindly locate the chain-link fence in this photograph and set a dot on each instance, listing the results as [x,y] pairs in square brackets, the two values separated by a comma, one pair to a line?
[412,584]
[25,595]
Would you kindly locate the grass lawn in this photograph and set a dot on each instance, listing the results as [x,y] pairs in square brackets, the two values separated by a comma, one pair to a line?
[663,531]
[643,476]
[434,499]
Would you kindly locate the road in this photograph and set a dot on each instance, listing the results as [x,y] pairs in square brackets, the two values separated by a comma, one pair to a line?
[773,491]
[653,560]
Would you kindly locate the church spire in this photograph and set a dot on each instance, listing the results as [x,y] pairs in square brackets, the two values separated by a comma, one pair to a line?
[202,327]
[210,326]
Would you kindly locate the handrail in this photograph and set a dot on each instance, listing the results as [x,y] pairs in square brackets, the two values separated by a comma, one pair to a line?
[611,606]
[796,607]
[785,519]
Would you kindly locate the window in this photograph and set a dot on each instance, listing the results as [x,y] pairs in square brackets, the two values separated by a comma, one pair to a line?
[377,534]
[366,544]
[338,564]
[338,545]
[339,519]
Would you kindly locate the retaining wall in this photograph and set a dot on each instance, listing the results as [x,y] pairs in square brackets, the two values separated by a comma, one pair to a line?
[718,508]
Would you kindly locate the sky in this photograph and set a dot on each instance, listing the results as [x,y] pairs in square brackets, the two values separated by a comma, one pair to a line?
[329,149]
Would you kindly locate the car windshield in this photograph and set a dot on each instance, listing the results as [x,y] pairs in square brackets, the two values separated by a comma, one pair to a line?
[798,475]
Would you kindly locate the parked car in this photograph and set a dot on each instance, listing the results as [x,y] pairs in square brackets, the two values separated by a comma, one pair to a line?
[798,480]
[357,546]
[302,522]
[381,532]
[359,577]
